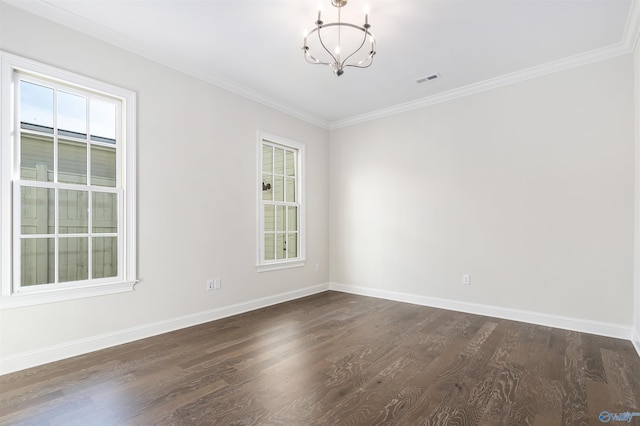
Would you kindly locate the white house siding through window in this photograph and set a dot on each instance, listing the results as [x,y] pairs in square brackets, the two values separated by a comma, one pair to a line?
[279,202]
[68,185]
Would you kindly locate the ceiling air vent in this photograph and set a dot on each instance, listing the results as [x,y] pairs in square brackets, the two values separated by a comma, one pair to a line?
[428,78]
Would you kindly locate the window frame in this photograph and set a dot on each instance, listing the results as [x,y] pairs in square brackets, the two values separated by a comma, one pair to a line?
[11,295]
[263,265]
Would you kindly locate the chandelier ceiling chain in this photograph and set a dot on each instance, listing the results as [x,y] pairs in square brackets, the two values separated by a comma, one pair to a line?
[333,59]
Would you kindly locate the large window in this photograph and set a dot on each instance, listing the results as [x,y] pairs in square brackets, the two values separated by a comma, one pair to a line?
[280,203]
[68,158]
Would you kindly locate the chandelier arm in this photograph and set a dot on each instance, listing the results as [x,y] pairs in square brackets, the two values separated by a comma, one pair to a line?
[313,60]
[359,66]
[322,42]
[364,39]
[308,56]
[368,58]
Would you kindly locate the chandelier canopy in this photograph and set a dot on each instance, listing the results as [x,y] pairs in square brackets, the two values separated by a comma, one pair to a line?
[340,44]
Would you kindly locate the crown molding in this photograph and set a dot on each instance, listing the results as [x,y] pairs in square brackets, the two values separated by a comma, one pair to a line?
[493,83]
[247,93]
[625,46]
[93,29]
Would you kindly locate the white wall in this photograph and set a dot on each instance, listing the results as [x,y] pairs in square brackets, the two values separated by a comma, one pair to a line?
[197,201]
[529,188]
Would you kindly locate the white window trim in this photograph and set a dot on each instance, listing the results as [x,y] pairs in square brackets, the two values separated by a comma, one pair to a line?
[261,265]
[9,64]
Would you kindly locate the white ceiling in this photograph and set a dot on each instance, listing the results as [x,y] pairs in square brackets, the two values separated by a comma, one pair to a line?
[254,47]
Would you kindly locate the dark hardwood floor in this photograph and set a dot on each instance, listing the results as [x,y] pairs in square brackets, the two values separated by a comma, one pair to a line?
[337,359]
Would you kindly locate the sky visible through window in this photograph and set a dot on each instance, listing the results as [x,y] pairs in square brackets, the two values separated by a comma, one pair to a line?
[37,108]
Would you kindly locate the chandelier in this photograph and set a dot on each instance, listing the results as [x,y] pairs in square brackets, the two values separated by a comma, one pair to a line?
[340,44]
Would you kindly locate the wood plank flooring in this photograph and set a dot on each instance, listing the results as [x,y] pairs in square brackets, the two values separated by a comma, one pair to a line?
[337,359]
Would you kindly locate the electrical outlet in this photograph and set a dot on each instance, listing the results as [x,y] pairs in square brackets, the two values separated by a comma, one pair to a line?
[466,279]
[317,267]
[210,285]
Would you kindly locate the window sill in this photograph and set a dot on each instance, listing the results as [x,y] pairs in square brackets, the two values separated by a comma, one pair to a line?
[19,300]
[281,265]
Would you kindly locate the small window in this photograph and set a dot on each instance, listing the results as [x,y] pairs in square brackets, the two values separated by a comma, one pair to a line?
[72,178]
[280,203]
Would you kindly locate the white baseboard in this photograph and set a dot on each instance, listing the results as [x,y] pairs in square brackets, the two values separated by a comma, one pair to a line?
[78,347]
[636,340]
[567,323]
